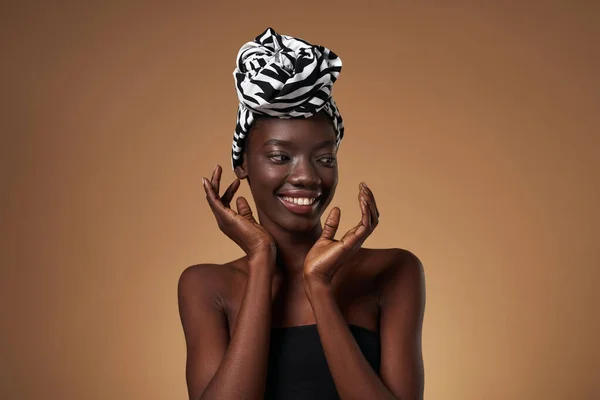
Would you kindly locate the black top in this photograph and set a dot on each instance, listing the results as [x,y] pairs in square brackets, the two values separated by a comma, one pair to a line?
[298,367]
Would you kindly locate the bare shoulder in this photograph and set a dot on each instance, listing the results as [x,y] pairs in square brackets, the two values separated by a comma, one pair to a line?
[402,275]
[387,261]
[389,266]
[215,279]
[402,261]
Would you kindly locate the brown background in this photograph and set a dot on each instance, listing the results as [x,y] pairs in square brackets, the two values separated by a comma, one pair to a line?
[476,126]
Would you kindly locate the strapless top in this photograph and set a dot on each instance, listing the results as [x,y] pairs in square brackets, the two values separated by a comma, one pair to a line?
[297,365]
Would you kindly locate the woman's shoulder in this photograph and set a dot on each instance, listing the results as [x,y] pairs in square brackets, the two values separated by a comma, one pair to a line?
[212,275]
[388,259]
[396,270]
[381,265]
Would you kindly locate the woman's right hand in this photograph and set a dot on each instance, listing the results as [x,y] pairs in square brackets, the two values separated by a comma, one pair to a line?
[241,227]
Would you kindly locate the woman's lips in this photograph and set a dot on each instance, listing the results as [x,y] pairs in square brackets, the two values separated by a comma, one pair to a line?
[297,208]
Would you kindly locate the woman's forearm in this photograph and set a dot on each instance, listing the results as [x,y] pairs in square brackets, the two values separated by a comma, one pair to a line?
[352,374]
[243,370]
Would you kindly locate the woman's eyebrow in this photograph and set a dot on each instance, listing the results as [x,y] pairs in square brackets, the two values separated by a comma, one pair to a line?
[278,142]
[325,143]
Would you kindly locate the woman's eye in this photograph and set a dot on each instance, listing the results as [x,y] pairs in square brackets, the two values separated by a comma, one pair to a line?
[328,160]
[278,157]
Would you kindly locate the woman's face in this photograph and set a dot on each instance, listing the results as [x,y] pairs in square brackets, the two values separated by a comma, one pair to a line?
[291,167]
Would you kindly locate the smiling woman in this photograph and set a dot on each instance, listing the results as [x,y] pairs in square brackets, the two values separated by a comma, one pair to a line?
[291,162]
[302,315]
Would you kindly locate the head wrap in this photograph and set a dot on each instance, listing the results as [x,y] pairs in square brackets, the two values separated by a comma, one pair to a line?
[285,77]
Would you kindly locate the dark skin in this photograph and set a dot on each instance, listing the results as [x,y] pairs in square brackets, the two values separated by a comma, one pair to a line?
[296,273]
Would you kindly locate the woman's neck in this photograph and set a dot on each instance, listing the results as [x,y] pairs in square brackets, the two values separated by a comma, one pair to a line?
[292,248]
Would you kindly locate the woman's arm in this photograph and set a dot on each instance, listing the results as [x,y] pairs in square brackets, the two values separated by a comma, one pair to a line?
[402,306]
[216,367]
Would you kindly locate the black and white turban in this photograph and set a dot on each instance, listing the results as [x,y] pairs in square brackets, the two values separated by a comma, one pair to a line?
[285,77]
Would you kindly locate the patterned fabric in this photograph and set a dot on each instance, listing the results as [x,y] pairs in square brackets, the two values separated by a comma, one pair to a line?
[285,77]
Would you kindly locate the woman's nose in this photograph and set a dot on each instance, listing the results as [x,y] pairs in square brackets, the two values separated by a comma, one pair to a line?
[304,173]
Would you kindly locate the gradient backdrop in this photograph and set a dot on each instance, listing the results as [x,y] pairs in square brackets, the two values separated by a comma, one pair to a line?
[476,125]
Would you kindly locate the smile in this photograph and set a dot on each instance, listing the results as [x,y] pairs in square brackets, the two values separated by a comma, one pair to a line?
[299,205]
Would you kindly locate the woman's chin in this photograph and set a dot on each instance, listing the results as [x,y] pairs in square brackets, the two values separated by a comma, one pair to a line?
[297,225]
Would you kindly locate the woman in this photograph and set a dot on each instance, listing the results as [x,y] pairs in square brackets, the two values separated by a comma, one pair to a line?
[301,315]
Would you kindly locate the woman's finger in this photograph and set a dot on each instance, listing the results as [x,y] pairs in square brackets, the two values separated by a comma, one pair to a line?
[356,236]
[365,222]
[331,224]
[215,202]
[366,216]
[216,178]
[228,195]
[371,203]
[244,209]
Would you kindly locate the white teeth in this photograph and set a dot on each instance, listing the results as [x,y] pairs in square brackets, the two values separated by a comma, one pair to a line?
[303,201]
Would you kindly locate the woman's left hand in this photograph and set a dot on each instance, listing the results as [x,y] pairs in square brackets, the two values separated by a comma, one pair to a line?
[327,255]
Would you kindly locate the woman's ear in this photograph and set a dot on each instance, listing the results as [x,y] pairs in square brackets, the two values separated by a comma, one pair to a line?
[240,171]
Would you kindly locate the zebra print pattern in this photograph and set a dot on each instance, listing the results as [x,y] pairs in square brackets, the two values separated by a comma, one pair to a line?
[285,77]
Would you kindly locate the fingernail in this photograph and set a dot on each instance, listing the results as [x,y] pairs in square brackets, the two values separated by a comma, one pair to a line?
[204,182]
[365,185]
